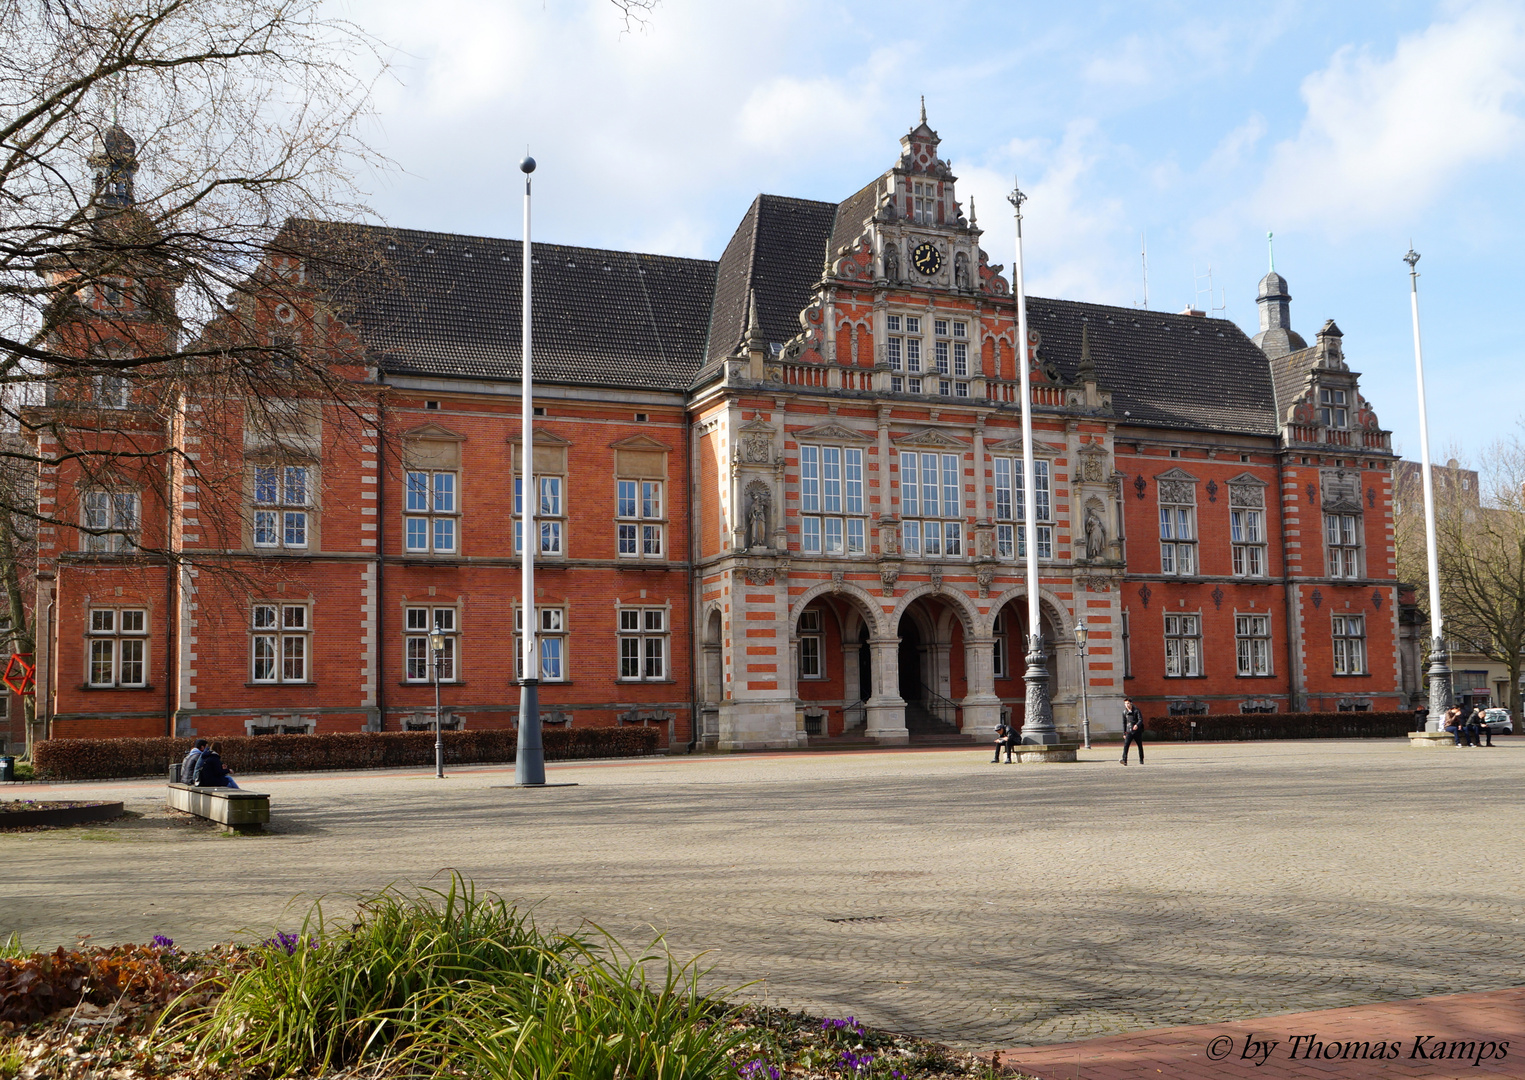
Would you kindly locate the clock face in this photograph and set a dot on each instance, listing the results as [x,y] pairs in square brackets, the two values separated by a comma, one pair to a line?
[927,259]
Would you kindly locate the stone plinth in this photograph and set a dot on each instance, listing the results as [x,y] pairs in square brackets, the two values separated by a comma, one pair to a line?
[1431,738]
[1031,753]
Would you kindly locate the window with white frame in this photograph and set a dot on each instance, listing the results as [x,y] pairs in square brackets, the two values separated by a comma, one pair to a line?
[552,515]
[643,644]
[1333,410]
[950,357]
[1178,527]
[1342,539]
[1247,530]
[550,639]
[931,505]
[1183,645]
[111,391]
[999,659]
[118,647]
[1350,645]
[1011,508]
[419,624]
[812,645]
[1252,643]
[432,513]
[642,518]
[924,202]
[112,520]
[281,497]
[831,501]
[280,643]
[903,352]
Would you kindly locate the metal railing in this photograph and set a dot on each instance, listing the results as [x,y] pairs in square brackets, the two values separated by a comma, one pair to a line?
[944,709]
[853,716]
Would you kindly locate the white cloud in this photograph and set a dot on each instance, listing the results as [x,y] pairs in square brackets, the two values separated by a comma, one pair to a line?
[1382,137]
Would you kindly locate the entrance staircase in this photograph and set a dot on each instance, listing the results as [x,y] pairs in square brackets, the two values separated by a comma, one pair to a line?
[929,722]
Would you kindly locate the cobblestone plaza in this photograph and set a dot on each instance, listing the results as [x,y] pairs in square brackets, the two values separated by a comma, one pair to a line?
[928,892]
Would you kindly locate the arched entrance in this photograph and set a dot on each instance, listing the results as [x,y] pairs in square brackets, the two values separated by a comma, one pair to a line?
[932,656]
[1011,634]
[833,665]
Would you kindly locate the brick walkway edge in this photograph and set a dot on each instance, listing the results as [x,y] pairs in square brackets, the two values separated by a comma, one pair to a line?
[1458,1035]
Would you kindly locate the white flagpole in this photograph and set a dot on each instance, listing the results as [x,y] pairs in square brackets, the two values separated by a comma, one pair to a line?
[1440,671]
[529,761]
[1038,723]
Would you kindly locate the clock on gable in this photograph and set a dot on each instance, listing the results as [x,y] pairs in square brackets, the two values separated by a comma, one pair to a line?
[927,259]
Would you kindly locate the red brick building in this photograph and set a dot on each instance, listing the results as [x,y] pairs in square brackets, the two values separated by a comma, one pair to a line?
[779,497]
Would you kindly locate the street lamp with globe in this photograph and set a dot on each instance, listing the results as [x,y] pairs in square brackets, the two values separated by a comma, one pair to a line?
[1081,633]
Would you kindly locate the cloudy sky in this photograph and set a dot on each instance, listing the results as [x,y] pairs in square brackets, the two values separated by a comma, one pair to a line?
[1346,129]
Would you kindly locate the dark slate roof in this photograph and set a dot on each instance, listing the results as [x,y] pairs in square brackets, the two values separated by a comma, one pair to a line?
[1289,374]
[852,215]
[777,252]
[1163,370]
[442,304]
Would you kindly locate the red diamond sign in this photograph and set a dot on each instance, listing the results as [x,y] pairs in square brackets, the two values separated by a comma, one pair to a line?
[20,674]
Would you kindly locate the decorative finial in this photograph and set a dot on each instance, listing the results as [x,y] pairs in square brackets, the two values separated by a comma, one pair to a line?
[972,217]
[923,108]
[1412,258]
[754,323]
[1271,247]
[1086,366]
[1017,197]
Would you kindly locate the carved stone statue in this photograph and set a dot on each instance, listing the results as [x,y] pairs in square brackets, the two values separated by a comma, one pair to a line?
[1096,535]
[758,504]
[961,271]
[891,262]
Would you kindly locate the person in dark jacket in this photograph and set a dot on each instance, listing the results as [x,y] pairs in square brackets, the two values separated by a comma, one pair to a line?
[1133,729]
[188,766]
[1004,736]
[210,771]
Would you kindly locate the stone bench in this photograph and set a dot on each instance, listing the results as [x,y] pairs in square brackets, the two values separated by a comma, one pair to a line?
[240,811]
[1428,739]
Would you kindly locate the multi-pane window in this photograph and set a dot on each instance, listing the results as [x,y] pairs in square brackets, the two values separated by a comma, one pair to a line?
[550,639]
[1252,642]
[112,520]
[999,661]
[950,357]
[1332,408]
[419,659]
[278,644]
[930,489]
[643,643]
[1247,530]
[1350,645]
[1342,538]
[831,501]
[552,516]
[281,497]
[1011,508]
[1183,645]
[112,391]
[812,666]
[639,507]
[894,345]
[118,647]
[961,350]
[924,201]
[432,521]
[1178,528]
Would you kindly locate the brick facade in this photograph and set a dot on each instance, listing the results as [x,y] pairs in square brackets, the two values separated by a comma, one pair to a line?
[735,547]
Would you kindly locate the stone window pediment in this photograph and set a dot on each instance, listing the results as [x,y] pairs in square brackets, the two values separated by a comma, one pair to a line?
[831,432]
[1177,486]
[1014,446]
[931,437]
[431,446]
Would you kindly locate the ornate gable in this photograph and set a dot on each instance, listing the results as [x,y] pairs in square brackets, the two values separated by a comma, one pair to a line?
[1014,446]
[930,437]
[831,432]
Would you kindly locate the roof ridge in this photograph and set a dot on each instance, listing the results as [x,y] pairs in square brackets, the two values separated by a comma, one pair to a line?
[538,244]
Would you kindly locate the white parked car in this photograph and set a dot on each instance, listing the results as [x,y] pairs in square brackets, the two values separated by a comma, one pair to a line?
[1499,721]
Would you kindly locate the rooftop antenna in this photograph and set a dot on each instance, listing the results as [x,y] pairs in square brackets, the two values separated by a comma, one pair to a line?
[1143,248]
[1213,307]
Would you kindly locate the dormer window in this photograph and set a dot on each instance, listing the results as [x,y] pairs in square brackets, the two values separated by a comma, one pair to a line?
[1333,410]
[924,202]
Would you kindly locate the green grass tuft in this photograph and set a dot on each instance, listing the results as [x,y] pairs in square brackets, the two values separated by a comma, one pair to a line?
[12,949]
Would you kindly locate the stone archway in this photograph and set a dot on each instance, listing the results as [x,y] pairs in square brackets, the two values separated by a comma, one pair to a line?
[833,630]
[955,657]
[1009,635]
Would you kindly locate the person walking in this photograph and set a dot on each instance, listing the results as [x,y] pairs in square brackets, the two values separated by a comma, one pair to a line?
[1133,729]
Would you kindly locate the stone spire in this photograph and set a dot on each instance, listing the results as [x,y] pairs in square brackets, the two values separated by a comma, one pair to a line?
[115,161]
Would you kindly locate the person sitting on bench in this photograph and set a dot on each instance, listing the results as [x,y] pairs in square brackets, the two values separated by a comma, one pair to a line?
[210,771]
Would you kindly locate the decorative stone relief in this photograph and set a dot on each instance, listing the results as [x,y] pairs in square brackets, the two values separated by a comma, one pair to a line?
[1092,468]
[888,575]
[759,575]
[757,448]
[984,574]
[1099,584]
[936,574]
[838,580]
[1250,496]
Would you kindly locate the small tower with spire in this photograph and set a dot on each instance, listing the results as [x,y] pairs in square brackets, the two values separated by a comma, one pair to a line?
[1276,337]
[115,164]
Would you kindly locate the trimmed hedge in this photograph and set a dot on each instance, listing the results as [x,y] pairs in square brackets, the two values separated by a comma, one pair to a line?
[1251,726]
[100,759]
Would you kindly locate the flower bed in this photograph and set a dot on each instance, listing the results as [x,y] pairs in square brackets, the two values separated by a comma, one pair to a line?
[29,813]
[1236,727]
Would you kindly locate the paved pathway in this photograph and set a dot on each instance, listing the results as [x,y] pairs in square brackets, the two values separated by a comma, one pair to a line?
[1455,1036]
[927,892]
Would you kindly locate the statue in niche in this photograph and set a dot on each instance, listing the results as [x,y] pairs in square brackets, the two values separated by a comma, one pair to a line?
[891,262]
[1095,533]
[961,271]
[758,504]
